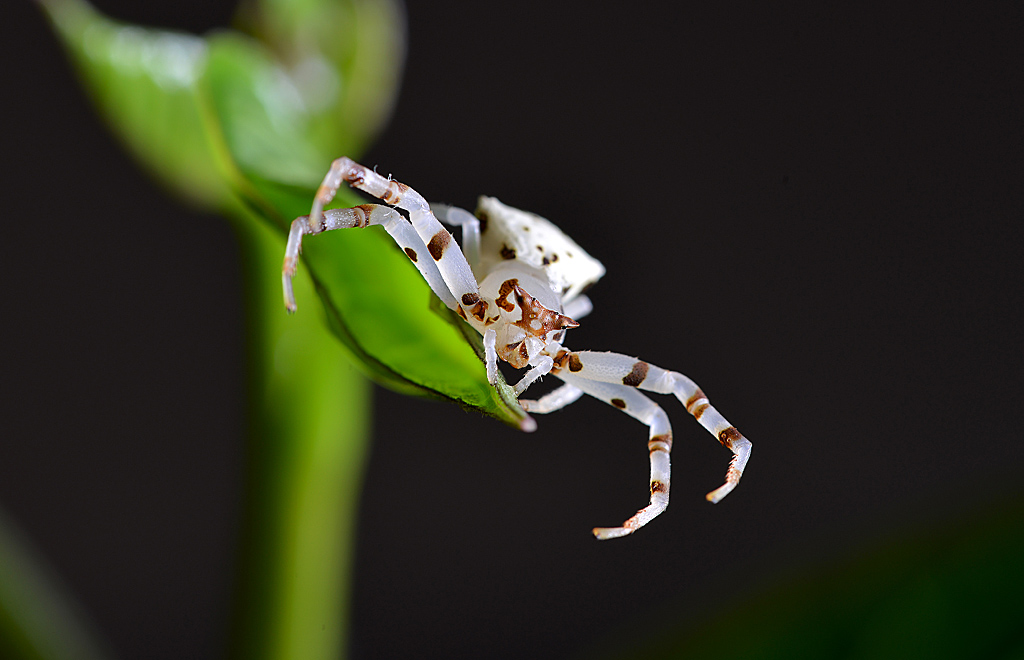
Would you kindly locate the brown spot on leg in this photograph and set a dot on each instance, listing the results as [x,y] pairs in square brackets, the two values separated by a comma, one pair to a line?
[574,363]
[697,396]
[438,244]
[462,313]
[412,254]
[524,352]
[470,299]
[637,375]
[699,410]
[658,487]
[484,220]
[507,252]
[393,193]
[729,435]
[618,403]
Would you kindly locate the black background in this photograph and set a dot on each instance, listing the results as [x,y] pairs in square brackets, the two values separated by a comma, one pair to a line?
[815,213]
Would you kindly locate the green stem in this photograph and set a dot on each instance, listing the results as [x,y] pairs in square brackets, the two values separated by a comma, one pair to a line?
[310,421]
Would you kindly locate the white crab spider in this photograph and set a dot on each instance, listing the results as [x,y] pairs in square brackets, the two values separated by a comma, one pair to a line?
[530,294]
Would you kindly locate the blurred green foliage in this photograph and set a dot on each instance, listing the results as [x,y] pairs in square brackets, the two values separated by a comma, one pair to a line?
[246,122]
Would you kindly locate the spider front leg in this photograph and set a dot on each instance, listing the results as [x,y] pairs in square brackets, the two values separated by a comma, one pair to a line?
[630,372]
[451,263]
[363,216]
[552,401]
[659,445]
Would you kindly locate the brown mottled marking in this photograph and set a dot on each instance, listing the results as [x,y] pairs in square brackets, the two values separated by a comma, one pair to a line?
[697,396]
[491,320]
[658,487]
[699,410]
[515,354]
[560,360]
[618,403]
[462,313]
[507,252]
[438,244]
[470,299]
[574,363]
[637,375]
[412,254]
[484,220]
[507,287]
[393,192]
[537,319]
[729,435]
[479,310]
[355,177]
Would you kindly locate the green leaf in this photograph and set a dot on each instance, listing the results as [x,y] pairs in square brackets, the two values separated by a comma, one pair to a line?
[231,121]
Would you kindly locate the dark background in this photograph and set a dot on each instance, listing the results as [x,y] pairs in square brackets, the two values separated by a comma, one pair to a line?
[814,213]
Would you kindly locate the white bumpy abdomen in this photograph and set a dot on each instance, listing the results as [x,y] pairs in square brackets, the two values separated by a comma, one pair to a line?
[511,235]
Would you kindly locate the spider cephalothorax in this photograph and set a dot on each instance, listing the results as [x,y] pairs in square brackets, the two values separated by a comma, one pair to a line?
[519,281]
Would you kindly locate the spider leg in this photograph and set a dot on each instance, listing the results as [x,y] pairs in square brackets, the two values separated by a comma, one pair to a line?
[543,366]
[630,373]
[362,216]
[491,354]
[453,215]
[451,263]
[635,404]
[552,401]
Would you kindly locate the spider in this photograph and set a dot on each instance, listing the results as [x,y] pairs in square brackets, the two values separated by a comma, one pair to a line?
[531,293]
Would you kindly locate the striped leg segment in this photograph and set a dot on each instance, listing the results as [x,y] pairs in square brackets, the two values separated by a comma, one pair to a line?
[552,401]
[630,372]
[659,446]
[443,250]
[364,216]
